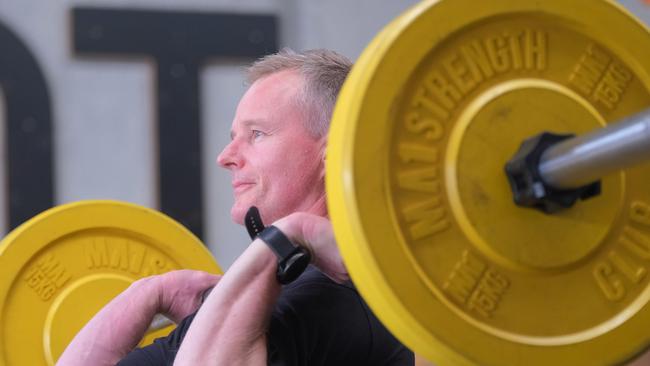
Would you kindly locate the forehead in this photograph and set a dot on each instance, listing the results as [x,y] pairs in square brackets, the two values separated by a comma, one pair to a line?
[274,94]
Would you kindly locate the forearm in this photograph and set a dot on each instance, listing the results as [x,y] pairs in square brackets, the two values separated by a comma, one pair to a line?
[116,329]
[230,327]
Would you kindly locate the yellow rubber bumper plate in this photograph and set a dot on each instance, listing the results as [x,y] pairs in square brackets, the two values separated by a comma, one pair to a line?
[62,266]
[422,209]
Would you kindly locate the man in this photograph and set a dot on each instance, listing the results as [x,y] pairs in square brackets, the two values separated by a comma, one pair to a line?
[276,157]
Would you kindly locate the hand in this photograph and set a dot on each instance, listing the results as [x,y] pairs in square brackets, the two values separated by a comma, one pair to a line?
[120,325]
[181,292]
[316,234]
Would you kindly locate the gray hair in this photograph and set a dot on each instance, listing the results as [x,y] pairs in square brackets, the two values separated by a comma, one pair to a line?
[323,72]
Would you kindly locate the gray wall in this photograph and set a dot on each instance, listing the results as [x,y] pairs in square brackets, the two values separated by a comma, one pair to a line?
[103,110]
[104,114]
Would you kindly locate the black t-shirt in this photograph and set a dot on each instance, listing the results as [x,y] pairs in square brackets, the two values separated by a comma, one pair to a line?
[315,322]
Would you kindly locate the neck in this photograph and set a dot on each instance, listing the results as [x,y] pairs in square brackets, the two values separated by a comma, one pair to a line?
[319,207]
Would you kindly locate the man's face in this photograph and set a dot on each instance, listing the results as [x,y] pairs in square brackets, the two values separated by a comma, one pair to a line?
[275,163]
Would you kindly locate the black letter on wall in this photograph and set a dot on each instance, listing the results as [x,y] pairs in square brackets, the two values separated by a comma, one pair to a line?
[179,42]
[29,130]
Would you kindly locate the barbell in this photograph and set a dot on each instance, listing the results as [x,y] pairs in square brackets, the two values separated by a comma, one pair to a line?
[62,266]
[487,182]
[424,213]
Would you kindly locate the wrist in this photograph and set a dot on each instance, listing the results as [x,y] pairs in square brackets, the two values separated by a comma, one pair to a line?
[288,227]
[263,254]
[292,227]
[291,259]
[149,292]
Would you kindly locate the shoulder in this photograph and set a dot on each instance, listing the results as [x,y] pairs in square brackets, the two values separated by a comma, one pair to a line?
[313,280]
[314,293]
[322,322]
[318,322]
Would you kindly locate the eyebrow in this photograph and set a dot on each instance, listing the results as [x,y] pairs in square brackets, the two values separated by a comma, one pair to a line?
[246,123]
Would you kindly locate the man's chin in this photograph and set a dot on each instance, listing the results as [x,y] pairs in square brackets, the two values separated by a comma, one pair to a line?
[237,215]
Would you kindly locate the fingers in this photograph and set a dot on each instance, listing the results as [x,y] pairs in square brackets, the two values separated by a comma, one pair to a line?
[181,292]
[330,263]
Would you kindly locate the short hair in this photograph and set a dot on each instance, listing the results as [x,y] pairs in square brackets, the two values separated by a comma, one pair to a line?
[323,72]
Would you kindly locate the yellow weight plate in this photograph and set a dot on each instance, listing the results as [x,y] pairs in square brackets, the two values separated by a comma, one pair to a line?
[62,266]
[421,206]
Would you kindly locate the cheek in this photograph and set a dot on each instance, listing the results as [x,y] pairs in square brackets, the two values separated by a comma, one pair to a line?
[290,172]
[303,174]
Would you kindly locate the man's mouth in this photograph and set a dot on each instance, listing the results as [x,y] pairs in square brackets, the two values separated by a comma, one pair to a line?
[239,187]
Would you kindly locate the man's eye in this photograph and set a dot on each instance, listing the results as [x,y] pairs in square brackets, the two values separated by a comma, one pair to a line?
[257,134]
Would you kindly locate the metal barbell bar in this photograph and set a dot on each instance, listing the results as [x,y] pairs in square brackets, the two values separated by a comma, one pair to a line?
[551,172]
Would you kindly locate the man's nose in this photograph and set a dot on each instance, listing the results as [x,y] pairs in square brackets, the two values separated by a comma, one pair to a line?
[229,158]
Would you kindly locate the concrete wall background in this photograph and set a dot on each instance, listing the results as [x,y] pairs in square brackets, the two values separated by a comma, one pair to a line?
[103,109]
